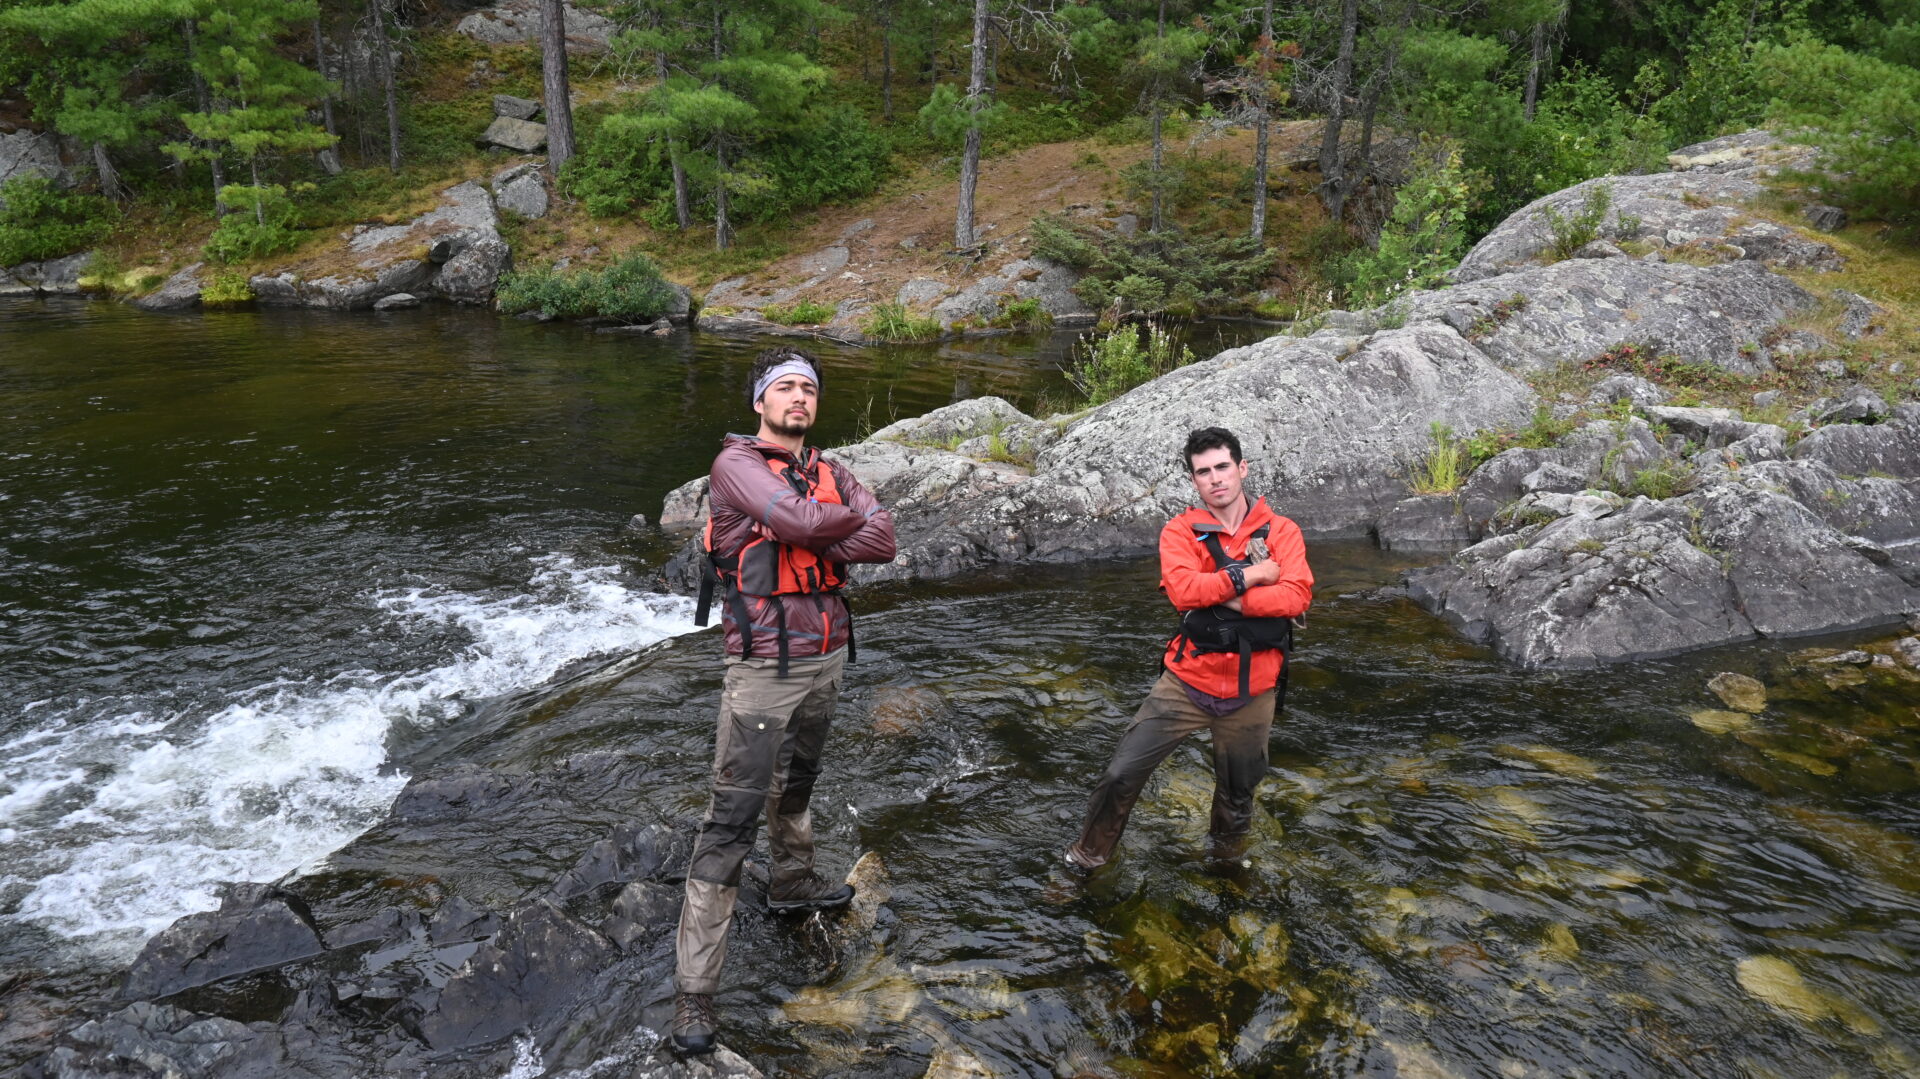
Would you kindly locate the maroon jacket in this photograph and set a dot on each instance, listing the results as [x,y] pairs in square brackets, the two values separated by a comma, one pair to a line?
[743,492]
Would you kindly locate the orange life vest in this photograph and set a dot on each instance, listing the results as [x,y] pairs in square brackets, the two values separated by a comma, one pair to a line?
[765,568]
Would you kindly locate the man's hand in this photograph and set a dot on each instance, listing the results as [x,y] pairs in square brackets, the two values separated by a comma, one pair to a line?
[1261,573]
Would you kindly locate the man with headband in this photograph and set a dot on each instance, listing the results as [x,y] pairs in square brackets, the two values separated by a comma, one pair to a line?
[783,523]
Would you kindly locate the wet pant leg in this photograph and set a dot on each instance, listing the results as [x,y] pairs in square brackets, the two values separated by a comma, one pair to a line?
[1164,720]
[754,742]
[1239,764]
[789,821]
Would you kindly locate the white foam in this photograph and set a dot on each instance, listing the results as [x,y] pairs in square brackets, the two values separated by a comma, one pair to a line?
[286,773]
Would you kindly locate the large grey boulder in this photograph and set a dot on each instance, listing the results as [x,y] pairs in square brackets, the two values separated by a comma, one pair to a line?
[524,136]
[257,927]
[13,286]
[1705,199]
[953,424]
[520,108]
[1050,282]
[181,292]
[517,21]
[1576,310]
[60,276]
[521,190]
[460,240]
[143,1040]
[26,153]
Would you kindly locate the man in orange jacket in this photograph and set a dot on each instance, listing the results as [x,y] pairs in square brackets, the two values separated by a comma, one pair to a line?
[1237,573]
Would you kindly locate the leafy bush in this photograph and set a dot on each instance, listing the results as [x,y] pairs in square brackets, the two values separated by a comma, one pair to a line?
[1444,467]
[893,322]
[1582,227]
[631,290]
[1422,238]
[1152,272]
[1022,314]
[260,222]
[1126,357]
[40,221]
[226,289]
[802,313]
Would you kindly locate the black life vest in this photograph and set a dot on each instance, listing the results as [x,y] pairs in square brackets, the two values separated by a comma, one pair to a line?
[769,569]
[1223,629]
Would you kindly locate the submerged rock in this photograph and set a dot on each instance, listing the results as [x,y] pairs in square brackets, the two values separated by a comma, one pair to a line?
[258,927]
[1738,691]
[532,969]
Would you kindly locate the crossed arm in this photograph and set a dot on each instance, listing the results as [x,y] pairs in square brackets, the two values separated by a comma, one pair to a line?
[1279,587]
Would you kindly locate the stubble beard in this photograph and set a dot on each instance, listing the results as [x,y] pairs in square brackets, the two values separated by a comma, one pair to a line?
[789,430]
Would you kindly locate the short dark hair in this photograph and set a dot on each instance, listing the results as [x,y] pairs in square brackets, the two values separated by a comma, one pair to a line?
[770,358]
[1209,438]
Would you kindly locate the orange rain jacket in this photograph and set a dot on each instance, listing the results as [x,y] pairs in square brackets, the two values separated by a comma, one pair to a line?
[1191,581]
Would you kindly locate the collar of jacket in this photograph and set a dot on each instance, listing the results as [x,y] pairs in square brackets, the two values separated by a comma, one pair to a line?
[1201,519]
[808,454]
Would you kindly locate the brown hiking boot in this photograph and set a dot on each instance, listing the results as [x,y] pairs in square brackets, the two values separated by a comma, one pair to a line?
[811,892]
[694,1029]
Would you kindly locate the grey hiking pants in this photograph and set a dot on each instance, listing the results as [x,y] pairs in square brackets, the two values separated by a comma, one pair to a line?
[1164,720]
[766,753]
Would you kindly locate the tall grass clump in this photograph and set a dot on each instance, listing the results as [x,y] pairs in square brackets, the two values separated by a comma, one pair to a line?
[1571,232]
[1126,357]
[893,322]
[1444,467]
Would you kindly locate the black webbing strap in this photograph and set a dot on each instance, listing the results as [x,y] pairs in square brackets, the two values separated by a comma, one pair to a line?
[780,620]
[1246,667]
[742,617]
[853,653]
[704,605]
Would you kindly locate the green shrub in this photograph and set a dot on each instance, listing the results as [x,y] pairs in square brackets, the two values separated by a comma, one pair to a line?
[1582,227]
[893,322]
[802,313]
[1153,272]
[1126,357]
[1664,480]
[1444,467]
[631,290]
[260,222]
[1423,237]
[1863,114]
[1022,314]
[226,289]
[40,221]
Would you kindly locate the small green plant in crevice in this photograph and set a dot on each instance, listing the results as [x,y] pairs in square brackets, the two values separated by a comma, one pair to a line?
[226,289]
[799,313]
[1123,358]
[1668,479]
[1571,232]
[1497,316]
[892,322]
[1026,313]
[631,290]
[1589,546]
[1445,465]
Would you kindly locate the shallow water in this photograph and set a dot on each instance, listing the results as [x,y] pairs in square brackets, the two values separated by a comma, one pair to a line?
[262,567]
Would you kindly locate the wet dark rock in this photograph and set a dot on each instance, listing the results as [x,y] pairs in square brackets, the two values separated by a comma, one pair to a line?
[633,852]
[399,301]
[389,924]
[1852,658]
[644,911]
[181,292]
[1740,692]
[529,971]
[1425,523]
[900,710]
[459,920]
[154,1040]
[58,276]
[257,927]
[459,792]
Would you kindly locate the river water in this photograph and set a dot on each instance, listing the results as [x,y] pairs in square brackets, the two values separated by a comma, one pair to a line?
[262,567]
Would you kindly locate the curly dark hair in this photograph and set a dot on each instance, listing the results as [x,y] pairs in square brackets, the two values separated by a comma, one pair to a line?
[770,358]
[1209,438]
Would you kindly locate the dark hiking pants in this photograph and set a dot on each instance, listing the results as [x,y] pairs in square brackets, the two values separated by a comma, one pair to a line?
[1164,720]
[766,755]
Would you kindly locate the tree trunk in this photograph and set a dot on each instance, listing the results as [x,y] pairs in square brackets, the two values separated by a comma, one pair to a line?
[328,158]
[1330,165]
[1263,78]
[553,71]
[1157,219]
[722,228]
[259,201]
[682,210]
[382,47]
[110,184]
[963,236]
[1537,56]
[202,103]
[1354,171]
[886,69]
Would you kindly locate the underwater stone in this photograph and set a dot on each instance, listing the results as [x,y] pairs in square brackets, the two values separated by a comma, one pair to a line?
[1740,692]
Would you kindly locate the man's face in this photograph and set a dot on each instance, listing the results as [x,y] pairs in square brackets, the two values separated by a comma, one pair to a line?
[790,405]
[1217,477]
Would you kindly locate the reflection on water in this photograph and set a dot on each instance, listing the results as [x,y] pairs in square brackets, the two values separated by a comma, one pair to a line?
[1459,869]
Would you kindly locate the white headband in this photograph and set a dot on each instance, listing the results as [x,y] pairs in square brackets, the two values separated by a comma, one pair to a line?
[790,367]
